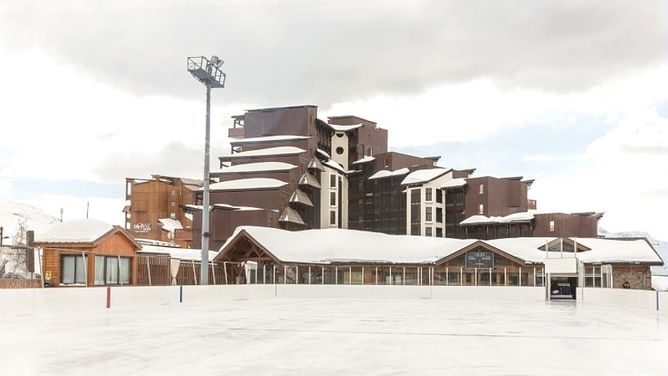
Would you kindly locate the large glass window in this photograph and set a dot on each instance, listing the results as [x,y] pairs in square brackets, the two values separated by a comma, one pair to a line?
[108,271]
[439,215]
[72,268]
[428,214]
[439,196]
[332,198]
[427,194]
[415,212]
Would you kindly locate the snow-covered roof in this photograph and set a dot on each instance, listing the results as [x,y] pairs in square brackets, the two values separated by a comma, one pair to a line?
[345,128]
[324,153]
[251,140]
[256,167]
[279,150]
[454,183]
[177,253]
[340,245]
[316,164]
[249,183]
[334,165]
[301,197]
[308,179]
[423,176]
[481,219]
[235,207]
[386,173]
[170,225]
[74,231]
[365,159]
[291,215]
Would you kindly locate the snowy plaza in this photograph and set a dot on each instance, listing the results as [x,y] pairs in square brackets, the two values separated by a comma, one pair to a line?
[360,330]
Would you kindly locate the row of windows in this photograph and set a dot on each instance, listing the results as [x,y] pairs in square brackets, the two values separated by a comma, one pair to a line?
[109,270]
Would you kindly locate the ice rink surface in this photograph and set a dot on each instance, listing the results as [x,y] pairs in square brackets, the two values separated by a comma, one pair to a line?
[284,336]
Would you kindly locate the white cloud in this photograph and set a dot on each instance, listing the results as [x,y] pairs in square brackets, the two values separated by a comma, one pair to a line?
[626,177]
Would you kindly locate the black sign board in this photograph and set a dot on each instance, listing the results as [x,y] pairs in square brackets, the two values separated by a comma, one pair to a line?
[479,259]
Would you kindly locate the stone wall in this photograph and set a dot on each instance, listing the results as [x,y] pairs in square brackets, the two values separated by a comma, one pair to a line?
[19,283]
[638,277]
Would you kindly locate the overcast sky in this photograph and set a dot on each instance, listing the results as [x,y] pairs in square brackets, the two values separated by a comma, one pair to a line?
[571,93]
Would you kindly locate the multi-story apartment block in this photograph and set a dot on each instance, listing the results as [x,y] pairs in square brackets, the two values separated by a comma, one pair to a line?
[289,169]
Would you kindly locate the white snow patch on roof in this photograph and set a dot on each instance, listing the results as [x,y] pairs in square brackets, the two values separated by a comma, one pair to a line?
[365,159]
[256,167]
[235,207]
[324,153]
[75,231]
[268,139]
[169,224]
[345,128]
[279,150]
[250,183]
[386,173]
[454,183]
[177,253]
[334,165]
[515,217]
[423,176]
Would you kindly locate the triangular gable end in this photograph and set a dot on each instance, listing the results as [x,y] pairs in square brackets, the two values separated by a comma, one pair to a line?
[554,245]
[485,246]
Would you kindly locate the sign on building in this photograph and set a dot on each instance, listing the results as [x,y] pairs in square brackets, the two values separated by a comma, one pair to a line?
[479,259]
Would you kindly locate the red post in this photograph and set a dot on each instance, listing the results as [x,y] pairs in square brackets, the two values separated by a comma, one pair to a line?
[108,297]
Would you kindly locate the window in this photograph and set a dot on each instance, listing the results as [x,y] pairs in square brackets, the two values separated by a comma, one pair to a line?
[482,189]
[439,232]
[439,196]
[332,181]
[428,231]
[172,203]
[73,269]
[172,215]
[332,198]
[427,194]
[481,209]
[332,217]
[428,214]
[551,226]
[108,271]
[339,150]
[439,215]
[173,193]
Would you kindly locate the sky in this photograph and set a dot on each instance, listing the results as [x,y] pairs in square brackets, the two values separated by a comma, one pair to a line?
[570,93]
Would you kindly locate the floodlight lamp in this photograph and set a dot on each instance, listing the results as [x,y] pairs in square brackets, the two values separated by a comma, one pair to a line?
[215,60]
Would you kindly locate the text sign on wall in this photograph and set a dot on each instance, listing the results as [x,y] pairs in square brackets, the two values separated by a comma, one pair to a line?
[479,259]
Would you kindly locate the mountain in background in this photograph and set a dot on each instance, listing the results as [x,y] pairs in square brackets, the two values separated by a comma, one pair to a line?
[660,246]
[13,215]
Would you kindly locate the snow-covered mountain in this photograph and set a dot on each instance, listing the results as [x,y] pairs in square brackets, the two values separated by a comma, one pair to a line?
[660,246]
[14,214]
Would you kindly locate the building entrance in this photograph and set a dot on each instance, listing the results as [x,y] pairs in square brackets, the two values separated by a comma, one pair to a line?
[563,288]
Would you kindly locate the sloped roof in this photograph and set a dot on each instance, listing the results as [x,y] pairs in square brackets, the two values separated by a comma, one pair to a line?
[169,224]
[340,245]
[386,173]
[291,215]
[79,231]
[298,196]
[255,167]
[74,231]
[279,150]
[308,179]
[454,183]
[424,176]
[250,183]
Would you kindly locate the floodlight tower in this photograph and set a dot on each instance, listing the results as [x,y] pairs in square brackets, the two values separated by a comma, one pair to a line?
[207,72]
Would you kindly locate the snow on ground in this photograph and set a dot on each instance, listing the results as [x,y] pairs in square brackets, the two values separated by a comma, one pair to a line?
[340,337]
[12,213]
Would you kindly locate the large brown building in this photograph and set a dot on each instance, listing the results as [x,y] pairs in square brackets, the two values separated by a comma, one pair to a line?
[289,169]
[155,208]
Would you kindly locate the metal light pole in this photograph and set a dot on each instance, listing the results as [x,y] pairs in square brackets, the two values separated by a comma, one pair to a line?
[207,72]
